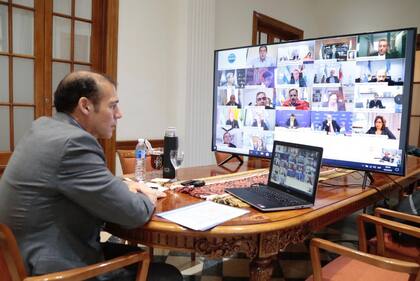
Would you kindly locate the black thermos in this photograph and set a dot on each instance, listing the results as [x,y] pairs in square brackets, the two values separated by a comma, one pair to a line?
[170,142]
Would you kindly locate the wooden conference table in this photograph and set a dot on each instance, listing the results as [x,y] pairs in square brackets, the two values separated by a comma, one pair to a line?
[262,235]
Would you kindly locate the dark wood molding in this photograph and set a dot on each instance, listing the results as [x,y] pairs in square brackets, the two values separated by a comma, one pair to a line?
[273,27]
[108,62]
[131,144]
[418,42]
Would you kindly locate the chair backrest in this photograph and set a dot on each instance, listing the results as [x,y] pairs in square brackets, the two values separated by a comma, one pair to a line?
[128,161]
[11,263]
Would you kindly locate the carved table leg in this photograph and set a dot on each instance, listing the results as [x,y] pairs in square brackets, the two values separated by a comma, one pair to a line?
[261,269]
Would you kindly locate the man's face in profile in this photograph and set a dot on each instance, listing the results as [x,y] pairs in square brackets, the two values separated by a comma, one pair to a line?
[293,96]
[382,47]
[261,99]
[263,53]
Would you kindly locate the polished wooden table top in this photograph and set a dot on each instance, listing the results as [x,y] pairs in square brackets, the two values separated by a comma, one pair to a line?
[345,190]
[260,236]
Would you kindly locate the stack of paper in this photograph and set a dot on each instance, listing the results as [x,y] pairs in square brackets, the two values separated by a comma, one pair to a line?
[203,215]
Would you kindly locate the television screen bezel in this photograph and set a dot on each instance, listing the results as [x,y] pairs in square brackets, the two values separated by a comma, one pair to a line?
[410,50]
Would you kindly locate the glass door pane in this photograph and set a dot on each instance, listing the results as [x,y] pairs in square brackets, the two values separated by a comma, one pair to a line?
[4,79]
[4,29]
[22,121]
[23,80]
[23,32]
[62,7]
[27,3]
[83,9]
[82,34]
[61,38]
[4,128]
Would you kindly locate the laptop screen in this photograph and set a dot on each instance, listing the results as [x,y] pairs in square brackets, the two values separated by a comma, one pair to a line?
[296,167]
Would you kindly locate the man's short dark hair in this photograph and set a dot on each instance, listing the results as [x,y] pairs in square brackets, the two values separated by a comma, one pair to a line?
[77,85]
[262,47]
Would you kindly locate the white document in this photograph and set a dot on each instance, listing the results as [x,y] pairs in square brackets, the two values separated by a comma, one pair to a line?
[202,216]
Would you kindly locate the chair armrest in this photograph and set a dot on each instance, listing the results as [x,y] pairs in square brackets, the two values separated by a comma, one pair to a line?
[86,272]
[403,216]
[383,262]
[381,223]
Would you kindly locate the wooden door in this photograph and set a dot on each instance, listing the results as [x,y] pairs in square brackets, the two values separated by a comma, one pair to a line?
[40,42]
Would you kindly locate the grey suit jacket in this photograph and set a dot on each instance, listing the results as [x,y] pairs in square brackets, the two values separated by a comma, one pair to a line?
[56,193]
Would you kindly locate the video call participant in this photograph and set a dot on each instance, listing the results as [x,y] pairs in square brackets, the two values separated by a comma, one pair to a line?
[230,80]
[262,100]
[297,78]
[263,60]
[385,51]
[332,78]
[267,79]
[291,122]
[294,100]
[259,120]
[56,192]
[258,144]
[232,121]
[382,48]
[227,139]
[376,102]
[381,76]
[380,128]
[232,101]
[330,126]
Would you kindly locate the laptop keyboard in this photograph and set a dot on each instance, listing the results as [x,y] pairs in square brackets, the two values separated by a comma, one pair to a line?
[283,198]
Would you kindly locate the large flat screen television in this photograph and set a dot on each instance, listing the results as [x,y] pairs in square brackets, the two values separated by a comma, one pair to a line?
[349,94]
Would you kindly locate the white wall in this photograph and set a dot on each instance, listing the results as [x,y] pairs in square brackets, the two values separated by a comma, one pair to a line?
[157,39]
[151,66]
[315,17]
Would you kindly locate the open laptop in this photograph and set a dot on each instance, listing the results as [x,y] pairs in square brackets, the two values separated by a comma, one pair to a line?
[292,181]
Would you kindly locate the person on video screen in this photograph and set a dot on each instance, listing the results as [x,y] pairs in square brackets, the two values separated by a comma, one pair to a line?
[381,77]
[376,102]
[230,80]
[227,139]
[232,101]
[332,78]
[258,144]
[261,99]
[296,78]
[294,100]
[384,50]
[259,120]
[267,79]
[292,122]
[380,128]
[336,102]
[232,121]
[263,60]
[330,125]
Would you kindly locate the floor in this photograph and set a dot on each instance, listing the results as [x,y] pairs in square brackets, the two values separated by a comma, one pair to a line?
[294,263]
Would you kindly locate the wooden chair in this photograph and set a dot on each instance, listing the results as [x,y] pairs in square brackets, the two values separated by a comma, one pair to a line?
[12,267]
[357,265]
[128,161]
[383,244]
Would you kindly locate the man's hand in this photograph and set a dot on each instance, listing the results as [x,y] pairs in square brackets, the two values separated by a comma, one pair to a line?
[152,194]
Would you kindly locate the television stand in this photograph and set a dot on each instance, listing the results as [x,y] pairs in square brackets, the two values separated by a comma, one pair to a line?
[232,156]
[367,175]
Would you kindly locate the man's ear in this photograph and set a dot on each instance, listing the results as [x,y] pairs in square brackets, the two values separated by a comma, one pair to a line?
[85,105]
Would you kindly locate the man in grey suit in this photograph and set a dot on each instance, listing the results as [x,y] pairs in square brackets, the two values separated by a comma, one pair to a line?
[56,192]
